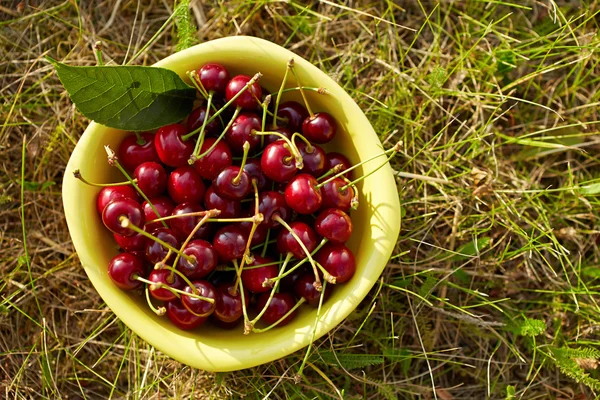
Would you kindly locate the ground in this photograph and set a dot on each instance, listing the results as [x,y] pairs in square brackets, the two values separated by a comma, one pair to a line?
[492,289]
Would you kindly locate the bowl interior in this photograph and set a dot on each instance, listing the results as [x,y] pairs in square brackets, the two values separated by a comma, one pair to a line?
[376,222]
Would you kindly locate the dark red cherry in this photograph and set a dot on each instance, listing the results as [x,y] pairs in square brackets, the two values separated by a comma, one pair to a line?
[228,208]
[229,305]
[181,317]
[314,161]
[270,204]
[171,148]
[155,251]
[277,162]
[288,282]
[199,307]
[338,260]
[260,233]
[166,278]
[185,185]
[226,186]
[122,207]
[249,98]
[183,226]
[241,132]
[123,269]
[280,304]
[163,205]
[254,171]
[196,119]
[109,193]
[333,197]
[303,195]
[253,278]
[230,242]
[294,113]
[286,243]
[304,287]
[334,225]
[205,259]
[320,128]
[214,77]
[133,152]
[151,178]
[209,166]
[334,159]
[131,243]
[273,138]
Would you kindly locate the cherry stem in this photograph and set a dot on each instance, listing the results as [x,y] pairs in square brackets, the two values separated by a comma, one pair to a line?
[309,146]
[265,104]
[287,314]
[278,98]
[291,66]
[191,235]
[291,146]
[314,330]
[241,284]
[354,201]
[126,223]
[192,214]
[200,140]
[370,173]
[160,311]
[302,262]
[222,135]
[319,90]
[77,174]
[195,79]
[337,168]
[265,245]
[237,178]
[139,138]
[114,161]
[248,267]
[175,291]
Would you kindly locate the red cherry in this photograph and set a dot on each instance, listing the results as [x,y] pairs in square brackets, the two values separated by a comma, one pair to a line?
[112,192]
[225,186]
[260,233]
[286,243]
[219,158]
[277,162]
[241,132]
[253,278]
[273,138]
[254,171]
[185,185]
[294,113]
[201,308]
[214,77]
[151,178]
[229,306]
[304,288]
[270,204]
[334,224]
[303,195]
[334,159]
[181,317]
[228,208]
[183,226]
[131,153]
[163,205]
[334,198]
[206,259]
[321,128]
[196,119]
[122,207]
[155,251]
[314,161]
[280,304]
[131,243]
[171,148]
[230,242]
[248,99]
[338,260]
[123,268]
[166,278]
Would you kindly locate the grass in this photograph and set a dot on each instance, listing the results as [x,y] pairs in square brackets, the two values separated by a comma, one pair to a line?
[493,289]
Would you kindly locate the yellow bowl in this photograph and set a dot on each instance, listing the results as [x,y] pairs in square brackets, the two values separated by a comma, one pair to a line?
[376,222]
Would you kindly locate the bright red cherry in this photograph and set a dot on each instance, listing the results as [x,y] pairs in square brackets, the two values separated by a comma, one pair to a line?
[166,278]
[201,308]
[286,243]
[304,287]
[196,119]
[277,162]
[155,251]
[338,260]
[205,259]
[228,208]
[185,185]
[219,158]
[303,195]
[280,304]
[228,305]
[253,278]
[109,193]
[131,243]
[334,224]
[122,207]
[294,113]
[151,178]
[254,171]
[123,269]
[214,77]
[171,148]
[321,128]
[181,317]
[226,185]
[183,226]
[163,205]
[314,161]
[248,99]
[230,242]
[334,159]
[133,151]
[336,197]
[241,132]
[271,204]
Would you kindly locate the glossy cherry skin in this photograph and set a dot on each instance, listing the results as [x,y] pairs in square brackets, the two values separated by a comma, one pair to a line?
[260,233]
[280,304]
[321,128]
[230,242]
[199,307]
[304,287]
[196,119]
[226,186]
[219,158]
[248,99]
[271,204]
[214,77]
[171,148]
[165,277]
[286,243]
[155,251]
[334,159]
[277,162]
[163,205]
[228,305]
[123,207]
[334,198]
[334,225]
[183,226]
[254,171]
[131,243]
[338,260]
[294,113]
[253,278]
[228,208]
[123,268]
[181,317]
[303,195]
[241,132]
[185,185]
[206,259]
[151,178]
[314,161]
[131,153]
[109,193]
[273,138]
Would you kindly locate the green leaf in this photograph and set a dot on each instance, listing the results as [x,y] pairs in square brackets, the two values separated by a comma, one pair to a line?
[532,327]
[132,98]
[510,392]
[184,25]
[37,186]
[592,189]
[471,249]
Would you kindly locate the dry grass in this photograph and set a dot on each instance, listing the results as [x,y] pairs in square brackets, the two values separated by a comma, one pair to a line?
[496,265]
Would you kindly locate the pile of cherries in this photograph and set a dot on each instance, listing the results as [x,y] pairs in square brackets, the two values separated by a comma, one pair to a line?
[235,214]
